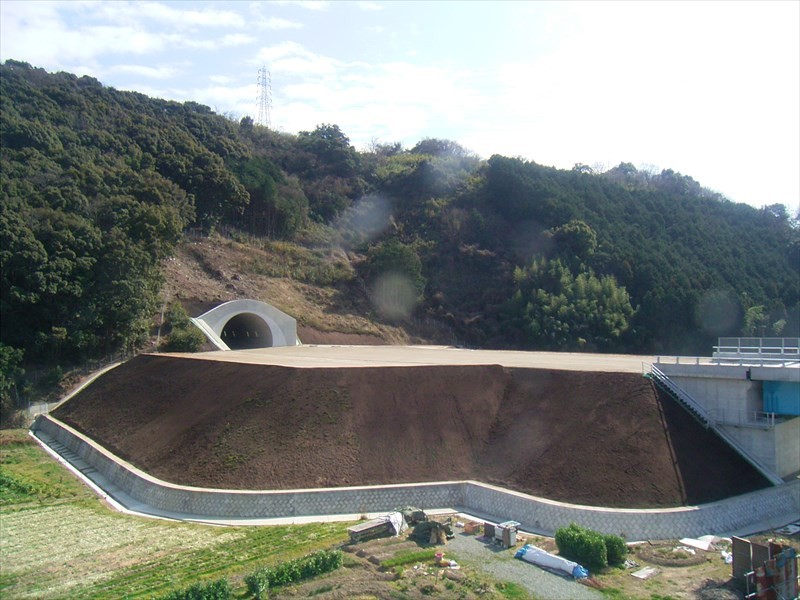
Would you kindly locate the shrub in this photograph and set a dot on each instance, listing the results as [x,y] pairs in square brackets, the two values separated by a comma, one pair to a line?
[616,549]
[258,583]
[584,546]
[322,561]
[176,315]
[216,590]
[183,335]
[186,338]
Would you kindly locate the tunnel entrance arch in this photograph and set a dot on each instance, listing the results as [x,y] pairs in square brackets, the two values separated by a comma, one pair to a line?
[246,330]
[246,324]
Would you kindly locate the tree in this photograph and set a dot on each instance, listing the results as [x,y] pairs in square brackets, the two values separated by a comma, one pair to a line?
[575,241]
[332,150]
[10,371]
[438,147]
[562,311]
[246,125]
[394,274]
[274,209]
[755,321]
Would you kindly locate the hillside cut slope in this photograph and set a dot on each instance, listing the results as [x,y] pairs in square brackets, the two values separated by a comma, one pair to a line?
[604,439]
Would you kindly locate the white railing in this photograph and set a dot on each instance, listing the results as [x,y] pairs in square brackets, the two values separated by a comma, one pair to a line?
[683,396]
[789,347]
[743,418]
[754,361]
[684,360]
[733,360]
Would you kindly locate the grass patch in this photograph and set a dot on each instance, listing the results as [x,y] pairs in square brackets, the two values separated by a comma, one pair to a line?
[59,540]
[408,557]
[512,590]
[328,587]
[28,475]
[313,266]
[614,593]
[674,553]
[15,437]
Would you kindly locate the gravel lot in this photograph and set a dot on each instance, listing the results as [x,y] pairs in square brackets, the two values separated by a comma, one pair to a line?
[501,564]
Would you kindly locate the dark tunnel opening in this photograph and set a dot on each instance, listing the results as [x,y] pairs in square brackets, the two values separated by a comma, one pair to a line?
[247,331]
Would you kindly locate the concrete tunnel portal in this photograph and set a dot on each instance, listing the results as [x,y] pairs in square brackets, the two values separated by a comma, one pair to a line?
[247,324]
[245,331]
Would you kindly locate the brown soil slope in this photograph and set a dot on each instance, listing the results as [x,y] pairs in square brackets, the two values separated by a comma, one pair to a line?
[590,438]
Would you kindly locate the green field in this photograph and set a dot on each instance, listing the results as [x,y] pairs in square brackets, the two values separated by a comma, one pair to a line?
[58,540]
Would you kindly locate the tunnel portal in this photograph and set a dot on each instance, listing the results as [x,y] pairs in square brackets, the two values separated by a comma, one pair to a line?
[246,330]
[246,324]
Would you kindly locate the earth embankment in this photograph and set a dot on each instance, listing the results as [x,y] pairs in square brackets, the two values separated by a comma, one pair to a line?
[605,439]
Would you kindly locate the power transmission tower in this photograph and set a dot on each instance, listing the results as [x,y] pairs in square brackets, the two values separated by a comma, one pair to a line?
[264,97]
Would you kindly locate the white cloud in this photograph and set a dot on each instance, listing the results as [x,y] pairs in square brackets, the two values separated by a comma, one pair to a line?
[42,34]
[292,60]
[315,5]
[167,15]
[282,50]
[367,5]
[162,72]
[277,24]
[227,95]
[53,46]
[261,20]
[296,66]
[644,83]
[176,94]
[221,79]
[176,41]
[397,100]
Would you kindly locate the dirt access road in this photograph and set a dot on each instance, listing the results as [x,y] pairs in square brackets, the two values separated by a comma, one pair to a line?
[327,356]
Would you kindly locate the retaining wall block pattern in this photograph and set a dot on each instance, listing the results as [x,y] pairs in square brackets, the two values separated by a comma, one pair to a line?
[769,506]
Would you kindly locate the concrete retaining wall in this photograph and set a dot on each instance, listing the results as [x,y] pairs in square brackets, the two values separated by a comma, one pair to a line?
[747,513]
[139,491]
[136,490]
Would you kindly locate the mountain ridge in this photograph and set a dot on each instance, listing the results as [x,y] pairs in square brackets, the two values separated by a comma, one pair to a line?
[101,187]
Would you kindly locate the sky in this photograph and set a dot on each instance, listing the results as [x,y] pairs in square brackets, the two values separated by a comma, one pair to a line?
[708,89]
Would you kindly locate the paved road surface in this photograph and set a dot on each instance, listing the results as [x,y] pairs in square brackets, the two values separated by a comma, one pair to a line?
[313,356]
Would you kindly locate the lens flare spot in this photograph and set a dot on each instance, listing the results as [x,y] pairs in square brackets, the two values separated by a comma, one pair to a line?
[393,295]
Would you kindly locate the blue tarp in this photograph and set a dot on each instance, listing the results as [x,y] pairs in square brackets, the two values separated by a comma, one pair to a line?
[541,558]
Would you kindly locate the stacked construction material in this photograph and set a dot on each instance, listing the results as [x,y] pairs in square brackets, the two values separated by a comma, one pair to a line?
[541,558]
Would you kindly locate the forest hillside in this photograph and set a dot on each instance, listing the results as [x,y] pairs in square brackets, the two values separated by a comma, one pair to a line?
[101,189]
